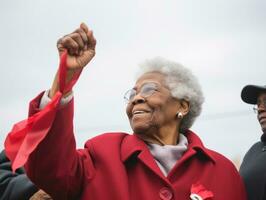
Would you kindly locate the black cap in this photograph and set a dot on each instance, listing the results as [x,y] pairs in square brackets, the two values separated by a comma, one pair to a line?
[250,93]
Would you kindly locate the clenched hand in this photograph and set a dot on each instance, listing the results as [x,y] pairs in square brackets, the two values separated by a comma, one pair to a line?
[80,46]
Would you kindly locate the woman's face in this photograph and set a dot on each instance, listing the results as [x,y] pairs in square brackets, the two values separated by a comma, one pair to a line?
[151,106]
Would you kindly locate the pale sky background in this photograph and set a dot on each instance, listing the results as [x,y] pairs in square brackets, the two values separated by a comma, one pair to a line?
[223,42]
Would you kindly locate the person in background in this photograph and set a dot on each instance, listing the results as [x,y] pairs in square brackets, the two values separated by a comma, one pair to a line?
[162,159]
[17,186]
[253,167]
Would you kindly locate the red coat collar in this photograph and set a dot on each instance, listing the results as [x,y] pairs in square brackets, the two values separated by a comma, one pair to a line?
[195,143]
[134,145]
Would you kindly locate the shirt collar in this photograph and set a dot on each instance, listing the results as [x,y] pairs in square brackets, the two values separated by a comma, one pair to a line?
[263,138]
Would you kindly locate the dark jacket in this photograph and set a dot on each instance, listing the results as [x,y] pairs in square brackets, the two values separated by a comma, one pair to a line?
[14,186]
[253,170]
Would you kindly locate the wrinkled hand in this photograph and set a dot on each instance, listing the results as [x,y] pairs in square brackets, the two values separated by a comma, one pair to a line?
[80,46]
[40,195]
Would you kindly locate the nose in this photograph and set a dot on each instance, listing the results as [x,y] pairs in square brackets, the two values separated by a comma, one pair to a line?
[138,99]
[261,108]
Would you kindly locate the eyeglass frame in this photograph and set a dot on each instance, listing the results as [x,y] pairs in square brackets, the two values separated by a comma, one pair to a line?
[150,93]
[259,103]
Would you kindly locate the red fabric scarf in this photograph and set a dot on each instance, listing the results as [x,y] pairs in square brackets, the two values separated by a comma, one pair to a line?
[27,134]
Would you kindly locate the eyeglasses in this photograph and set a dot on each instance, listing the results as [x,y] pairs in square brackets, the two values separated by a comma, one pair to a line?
[259,104]
[146,90]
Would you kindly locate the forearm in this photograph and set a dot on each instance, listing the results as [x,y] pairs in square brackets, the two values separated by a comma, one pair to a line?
[45,141]
[50,164]
[70,73]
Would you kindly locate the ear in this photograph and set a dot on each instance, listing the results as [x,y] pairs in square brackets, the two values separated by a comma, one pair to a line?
[184,107]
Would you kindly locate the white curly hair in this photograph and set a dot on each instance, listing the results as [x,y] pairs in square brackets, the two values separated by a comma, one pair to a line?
[182,84]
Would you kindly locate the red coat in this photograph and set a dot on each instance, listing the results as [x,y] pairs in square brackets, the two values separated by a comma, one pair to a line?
[119,166]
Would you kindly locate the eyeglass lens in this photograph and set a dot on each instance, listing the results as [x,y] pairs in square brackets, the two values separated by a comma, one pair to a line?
[261,103]
[146,90]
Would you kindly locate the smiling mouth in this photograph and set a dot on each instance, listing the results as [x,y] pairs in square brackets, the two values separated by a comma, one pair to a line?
[138,112]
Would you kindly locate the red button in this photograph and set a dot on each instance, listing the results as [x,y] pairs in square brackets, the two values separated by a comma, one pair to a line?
[165,193]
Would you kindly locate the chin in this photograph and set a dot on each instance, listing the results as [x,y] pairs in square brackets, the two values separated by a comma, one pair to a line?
[140,129]
[263,129]
[144,129]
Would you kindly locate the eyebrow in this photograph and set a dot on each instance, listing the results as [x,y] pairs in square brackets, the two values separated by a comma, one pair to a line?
[261,100]
[156,83]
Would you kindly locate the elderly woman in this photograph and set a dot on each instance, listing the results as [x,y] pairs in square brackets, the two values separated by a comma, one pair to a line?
[162,159]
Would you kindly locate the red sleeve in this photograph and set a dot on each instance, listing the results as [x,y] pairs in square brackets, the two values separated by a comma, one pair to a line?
[55,166]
